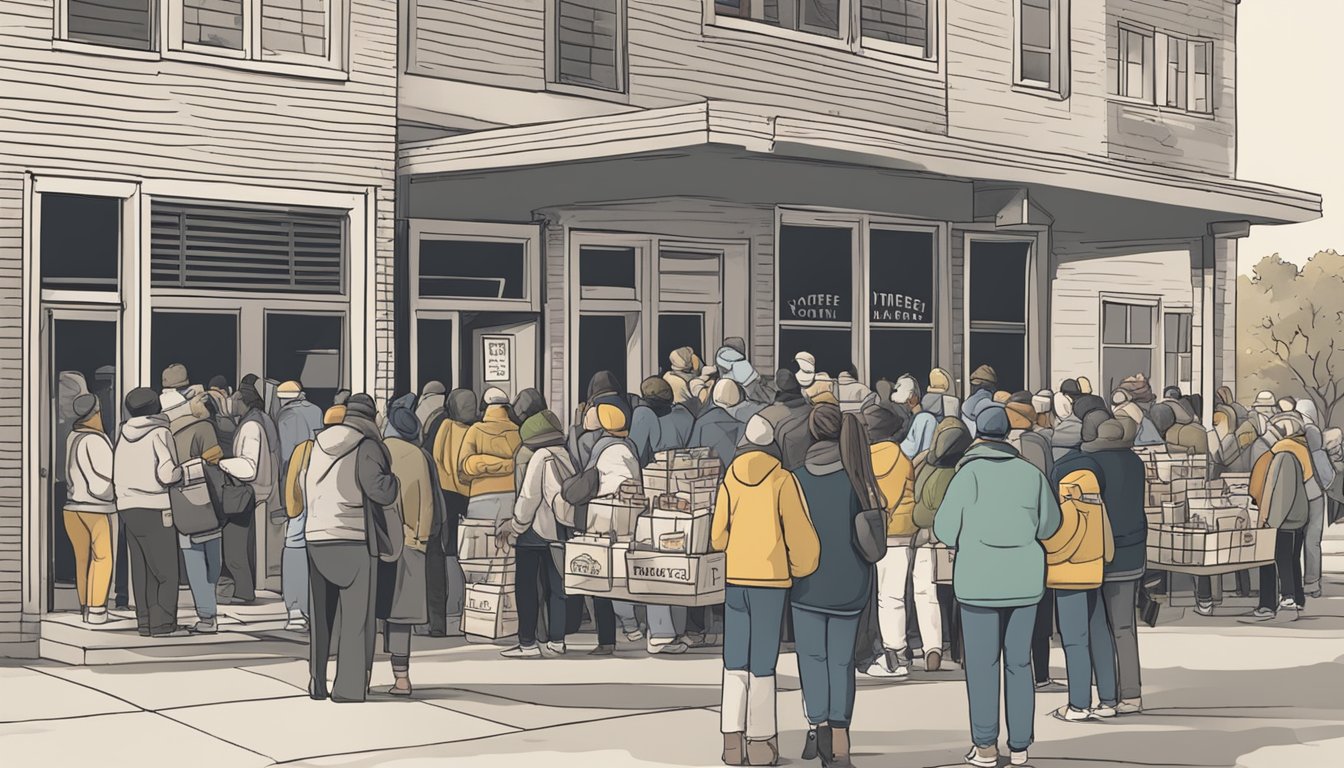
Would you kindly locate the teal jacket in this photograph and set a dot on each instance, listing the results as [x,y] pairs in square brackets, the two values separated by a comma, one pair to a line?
[996,512]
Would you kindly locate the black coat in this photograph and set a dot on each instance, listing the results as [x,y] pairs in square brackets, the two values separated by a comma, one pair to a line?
[1123,493]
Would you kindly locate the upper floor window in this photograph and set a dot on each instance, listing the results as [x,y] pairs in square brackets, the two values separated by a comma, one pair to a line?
[116,23]
[588,47]
[1136,64]
[1188,83]
[905,27]
[1042,31]
[1164,69]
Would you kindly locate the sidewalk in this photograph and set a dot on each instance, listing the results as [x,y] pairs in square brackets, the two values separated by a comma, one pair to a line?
[1219,692]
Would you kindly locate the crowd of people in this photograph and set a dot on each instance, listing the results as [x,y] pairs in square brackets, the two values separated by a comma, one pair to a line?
[839,507]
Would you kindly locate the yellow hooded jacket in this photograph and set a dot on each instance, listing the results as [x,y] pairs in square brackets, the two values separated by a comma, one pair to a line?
[761,521]
[896,477]
[487,452]
[1077,554]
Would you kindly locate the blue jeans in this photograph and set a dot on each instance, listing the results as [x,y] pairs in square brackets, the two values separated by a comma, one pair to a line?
[825,646]
[1088,646]
[294,578]
[203,562]
[997,639]
[753,618]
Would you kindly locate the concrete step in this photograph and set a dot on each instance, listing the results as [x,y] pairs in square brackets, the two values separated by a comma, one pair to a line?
[65,638]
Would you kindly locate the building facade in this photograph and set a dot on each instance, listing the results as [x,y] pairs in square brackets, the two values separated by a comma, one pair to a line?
[181,181]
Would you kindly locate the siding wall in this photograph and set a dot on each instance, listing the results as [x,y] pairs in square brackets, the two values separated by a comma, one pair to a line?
[82,114]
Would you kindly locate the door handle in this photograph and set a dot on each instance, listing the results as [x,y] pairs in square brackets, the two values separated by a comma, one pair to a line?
[42,472]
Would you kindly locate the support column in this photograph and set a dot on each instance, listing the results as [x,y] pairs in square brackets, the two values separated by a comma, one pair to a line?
[1214,324]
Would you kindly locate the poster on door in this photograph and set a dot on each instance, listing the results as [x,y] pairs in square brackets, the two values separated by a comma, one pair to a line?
[498,358]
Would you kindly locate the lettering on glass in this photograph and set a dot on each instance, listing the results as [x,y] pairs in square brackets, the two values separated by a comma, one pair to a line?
[898,308]
[815,306]
[498,358]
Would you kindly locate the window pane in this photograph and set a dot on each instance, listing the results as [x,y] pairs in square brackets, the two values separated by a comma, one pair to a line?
[677,330]
[900,276]
[1036,23]
[603,345]
[434,339]
[821,15]
[1176,73]
[214,22]
[1005,353]
[588,43]
[815,274]
[176,337]
[120,23]
[1203,82]
[1119,363]
[998,281]
[689,276]
[899,351]
[1140,324]
[1114,323]
[306,349]
[830,347]
[1171,331]
[1186,342]
[897,21]
[293,26]
[1036,66]
[472,269]
[80,242]
[607,267]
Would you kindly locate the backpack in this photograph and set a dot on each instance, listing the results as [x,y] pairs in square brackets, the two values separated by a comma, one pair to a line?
[295,476]
[1077,553]
[582,487]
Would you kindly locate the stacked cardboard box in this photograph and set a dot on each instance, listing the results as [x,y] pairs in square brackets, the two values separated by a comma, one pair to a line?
[490,611]
[594,565]
[943,559]
[694,471]
[698,578]
[1197,546]
[674,525]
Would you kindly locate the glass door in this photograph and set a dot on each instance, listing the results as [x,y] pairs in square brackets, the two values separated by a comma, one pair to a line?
[80,356]
[435,349]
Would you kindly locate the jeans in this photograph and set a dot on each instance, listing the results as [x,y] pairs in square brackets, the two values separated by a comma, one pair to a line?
[1311,544]
[536,576]
[1088,647]
[121,567]
[625,613]
[825,647]
[892,571]
[203,562]
[294,579]
[154,576]
[752,620]
[604,614]
[998,641]
[1121,601]
[1040,637]
[343,578]
[1286,571]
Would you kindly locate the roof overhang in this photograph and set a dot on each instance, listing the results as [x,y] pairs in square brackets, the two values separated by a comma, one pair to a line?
[827,138]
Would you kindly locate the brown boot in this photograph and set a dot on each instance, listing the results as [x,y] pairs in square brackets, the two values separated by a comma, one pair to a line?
[734,749]
[840,748]
[763,752]
[402,686]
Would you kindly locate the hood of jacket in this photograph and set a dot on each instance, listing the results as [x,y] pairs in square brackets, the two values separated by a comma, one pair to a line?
[136,427]
[528,404]
[951,439]
[989,451]
[338,440]
[461,406]
[732,364]
[754,467]
[823,458]
[886,455]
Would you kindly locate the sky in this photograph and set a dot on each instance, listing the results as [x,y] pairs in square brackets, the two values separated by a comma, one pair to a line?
[1290,113]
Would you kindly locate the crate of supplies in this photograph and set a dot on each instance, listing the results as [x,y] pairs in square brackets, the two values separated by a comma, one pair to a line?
[615,516]
[675,530]
[498,570]
[476,540]
[594,565]
[1189,545]
[653,574]
[489,612]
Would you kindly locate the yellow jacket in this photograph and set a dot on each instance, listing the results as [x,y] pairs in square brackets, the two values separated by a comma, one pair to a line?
[1077,554]
[896,477]
[1260,472]
[487,452]
[447,453]
[294,478]
[761,521]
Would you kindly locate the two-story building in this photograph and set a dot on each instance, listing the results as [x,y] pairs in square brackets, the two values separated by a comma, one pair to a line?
[1042,185]
[206,182]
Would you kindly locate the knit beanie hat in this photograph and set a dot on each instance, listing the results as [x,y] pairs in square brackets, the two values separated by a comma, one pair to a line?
[940,381]
[683,360]
[656,388]
[736,342]
[405,422]
[727,393]
[1021,415]
[1043,401]
[613,415]
[542,429]
[1069,388]
[984,375]
[333,415]
[759,431]
[1002,397]
[433,388]
[142,401]
[786,381]
[992,423]
[881,423]
[361,406]
[175,376]
[602,383]
[1092,423]
[1084,385]
[824,422]
[84,406]
[495,396]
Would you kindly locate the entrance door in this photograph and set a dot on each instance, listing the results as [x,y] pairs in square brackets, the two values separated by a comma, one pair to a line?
[504,356]
[609,343]
[80,348]
[436,349]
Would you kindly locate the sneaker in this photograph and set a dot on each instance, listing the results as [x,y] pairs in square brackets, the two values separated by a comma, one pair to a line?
[1264,614]
[603,650]
[96,616]
[1288,603]
[1071,715]
[1018,757]
[208,626]
[635,635]
[1315,594]
[1050,685]
[1104,711]
[553,649]
[1129,707]
[933,661]
[522,652]
[1204,609]
[888,665]
[667,649]
[984,757]
[297,624]
[178,632]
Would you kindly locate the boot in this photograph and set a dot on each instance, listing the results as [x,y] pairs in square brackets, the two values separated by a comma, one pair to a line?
[825,744]
[810,750]
[763,752]
[402,686]
[735,749]
[840,748]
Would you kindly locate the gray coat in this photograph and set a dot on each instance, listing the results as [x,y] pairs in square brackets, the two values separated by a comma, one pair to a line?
[1284,500]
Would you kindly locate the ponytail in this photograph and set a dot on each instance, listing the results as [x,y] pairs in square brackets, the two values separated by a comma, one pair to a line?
[857,460]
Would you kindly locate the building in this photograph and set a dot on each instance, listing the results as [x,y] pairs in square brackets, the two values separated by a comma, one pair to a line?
[204,183]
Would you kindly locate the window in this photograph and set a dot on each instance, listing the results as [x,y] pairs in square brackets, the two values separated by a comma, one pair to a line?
[306,348]
[1178,348]
[608,272]
[80,242]
[1126,341]
[481,269]
[1043,44]
[216,23]
[1136,64]
[821,17]
[589,43]
[1178,73]
[908,25]
[997,309]
[900,302]
[1201,77]
[115,23]
[1187,83]
[816,295]
[247,248]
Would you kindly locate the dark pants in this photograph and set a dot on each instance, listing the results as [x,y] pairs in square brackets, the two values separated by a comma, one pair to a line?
[1121,601]
[240,557]
[1040,637]
[437,572]
[121,566]
[951,610]
[605,616]
[1286,571]
[343,580]
[826,670]
[537,577]
[154,574]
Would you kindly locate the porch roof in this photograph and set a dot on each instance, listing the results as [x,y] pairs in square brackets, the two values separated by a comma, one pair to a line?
[765,130]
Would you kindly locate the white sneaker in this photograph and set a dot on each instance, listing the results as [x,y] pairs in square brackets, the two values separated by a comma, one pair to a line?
[522,652]
[297,624]
[1071,715]
[553,649]
[888,665]
[1104,712]
[1129,707]
[672,648]
[1204,609]
[1264,614]
[1288,603]
[983,757]
[96,616]
[634,636]
[1018,758]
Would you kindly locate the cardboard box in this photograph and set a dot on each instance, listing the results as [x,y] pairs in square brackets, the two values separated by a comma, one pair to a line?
[1175,513]
[943,560]
[476,540]
[652,527]
[489,612]
[614,516]
[499,571]
[658,573]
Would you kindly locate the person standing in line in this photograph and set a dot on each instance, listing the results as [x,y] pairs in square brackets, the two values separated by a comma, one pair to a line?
[716,428]
[827,603]
[535,526]
[401,583]
[446,589]
[1279,489]
[1123,496]
[89,506]
[255,461]
[194,438]
[852,393]
[347,488]
[896,477]
[761,521]
[487,459]
[144,466]
[788,415]
[527,404]
[733,365]
[429,409]
[935,604]
[997,510]
[299,422]
[1322,477]
[683,366]
[984,381]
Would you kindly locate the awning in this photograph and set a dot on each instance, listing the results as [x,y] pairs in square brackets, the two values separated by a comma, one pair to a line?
[766,130]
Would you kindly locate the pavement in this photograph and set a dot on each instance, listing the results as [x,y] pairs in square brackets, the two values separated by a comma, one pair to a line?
[1218,691]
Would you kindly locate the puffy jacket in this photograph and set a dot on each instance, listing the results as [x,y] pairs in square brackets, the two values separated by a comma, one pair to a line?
[1283,503]
[539,498]
[718,430]
[1260,471]
[896,477]
[1077,554]
[936,468]
[144,464]
[977,402]
[761,521]
[487,452]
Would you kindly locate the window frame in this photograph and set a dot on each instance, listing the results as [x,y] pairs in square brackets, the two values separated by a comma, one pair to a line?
[1149,91]
[1169,376]
[434,229]
[253,50]
[1158,48]
[1060,44]
[725,23]
[552,54]
[1035,242]
[928,53]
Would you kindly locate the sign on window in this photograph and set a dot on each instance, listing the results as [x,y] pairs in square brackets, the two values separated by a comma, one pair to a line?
[498,358]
